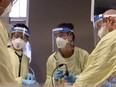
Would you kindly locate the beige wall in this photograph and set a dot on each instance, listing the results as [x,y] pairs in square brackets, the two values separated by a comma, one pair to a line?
[45,15]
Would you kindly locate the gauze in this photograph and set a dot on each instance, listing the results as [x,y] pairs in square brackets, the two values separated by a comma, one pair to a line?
[18,43]
[102,31]
[61,43]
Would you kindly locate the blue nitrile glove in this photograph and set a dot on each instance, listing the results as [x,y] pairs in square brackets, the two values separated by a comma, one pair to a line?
[108,84]
[58,74]
[70,78]
[28,82]
[30,76]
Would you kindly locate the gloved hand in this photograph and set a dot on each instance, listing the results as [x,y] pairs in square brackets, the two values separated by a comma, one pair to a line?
[70,78]
[112,80]
[58,74]
[28,82]
[30,76]
[107,84]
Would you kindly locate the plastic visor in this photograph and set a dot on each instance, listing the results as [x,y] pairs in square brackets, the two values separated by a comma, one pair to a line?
[96,25]
[20,29]
[54,32]
[27,50]
[95,21]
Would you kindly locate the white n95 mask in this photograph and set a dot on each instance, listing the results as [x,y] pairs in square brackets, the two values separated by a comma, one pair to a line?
[18,43]
[102,31]
[61,43]
[7,10]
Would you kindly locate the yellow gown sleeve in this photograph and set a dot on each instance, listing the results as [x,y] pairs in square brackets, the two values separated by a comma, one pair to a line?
[6,76]
[49,78]
[19,80]
[85,59]
[101,63]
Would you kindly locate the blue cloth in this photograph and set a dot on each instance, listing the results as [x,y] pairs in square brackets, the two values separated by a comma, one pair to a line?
[70,78]
[58,74]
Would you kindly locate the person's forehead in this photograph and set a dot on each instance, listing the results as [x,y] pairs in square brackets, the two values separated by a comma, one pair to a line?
[61,32]
[19,33]
[4,3]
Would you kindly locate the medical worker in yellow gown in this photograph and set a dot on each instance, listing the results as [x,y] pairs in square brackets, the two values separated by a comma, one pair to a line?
[6,76]
[20,62]
[101,65]
[67,57]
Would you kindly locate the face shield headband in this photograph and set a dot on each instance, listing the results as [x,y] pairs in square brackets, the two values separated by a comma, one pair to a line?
[20,29]
[62,30]
[56,30]
[100,17]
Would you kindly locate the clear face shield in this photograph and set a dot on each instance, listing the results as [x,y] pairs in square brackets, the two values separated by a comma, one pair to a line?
[23,34]
[96,26]
[19,32]
[99,25]
[58,35]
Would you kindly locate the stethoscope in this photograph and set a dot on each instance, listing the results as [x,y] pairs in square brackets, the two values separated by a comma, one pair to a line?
[20,59]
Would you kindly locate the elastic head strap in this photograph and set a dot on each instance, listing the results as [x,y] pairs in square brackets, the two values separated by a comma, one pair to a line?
[62,30]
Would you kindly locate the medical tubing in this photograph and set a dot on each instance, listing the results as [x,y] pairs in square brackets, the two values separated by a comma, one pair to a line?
[66,72]
[32,71]
[53,73]
[20,59]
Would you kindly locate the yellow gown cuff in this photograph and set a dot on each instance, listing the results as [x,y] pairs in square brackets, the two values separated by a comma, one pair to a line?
[19,80]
